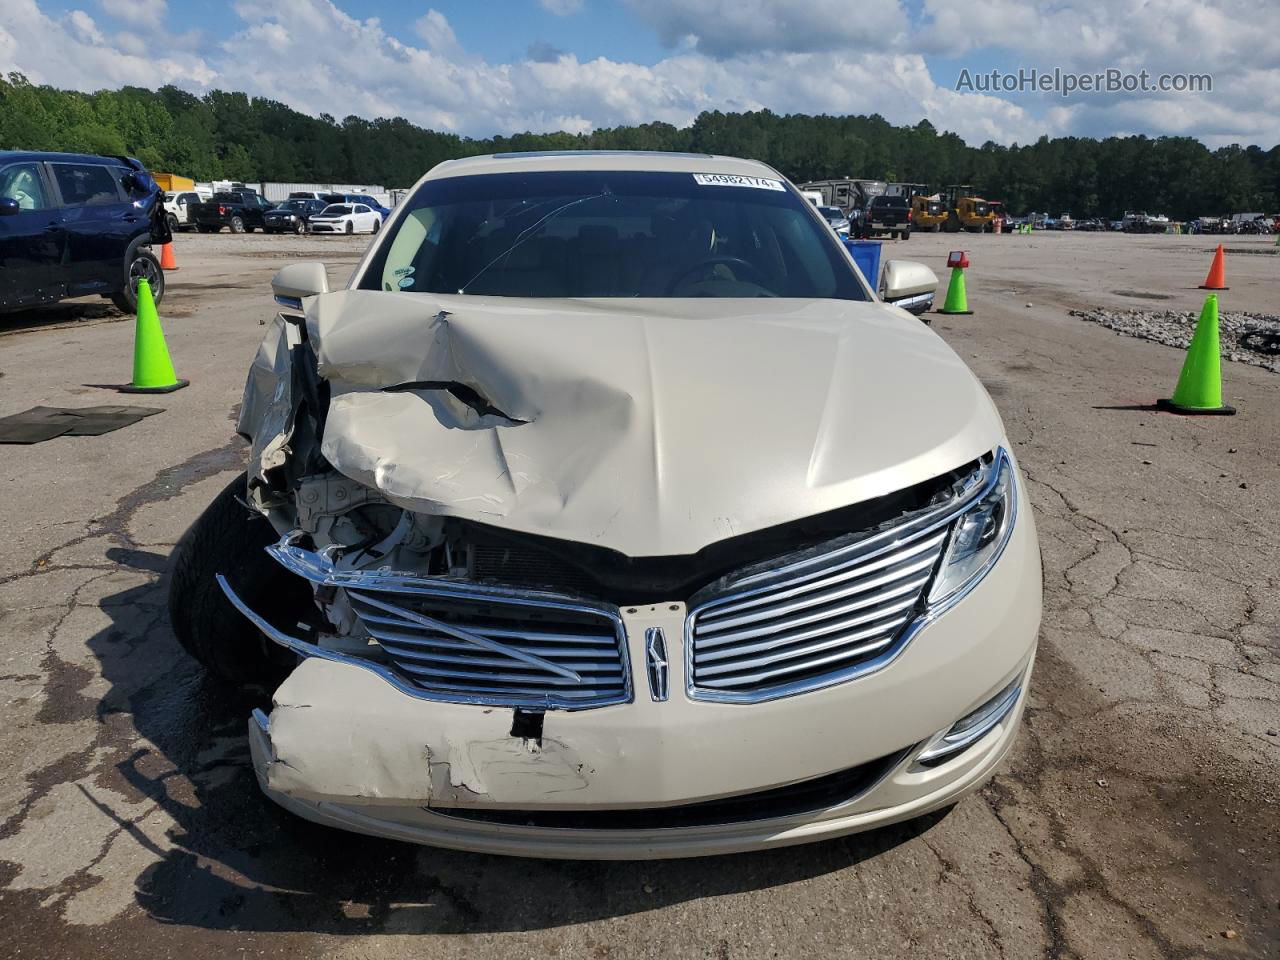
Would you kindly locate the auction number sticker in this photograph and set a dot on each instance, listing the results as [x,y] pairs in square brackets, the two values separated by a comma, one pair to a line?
[734,180]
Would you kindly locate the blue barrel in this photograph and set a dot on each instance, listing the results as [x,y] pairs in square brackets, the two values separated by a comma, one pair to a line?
[866,254]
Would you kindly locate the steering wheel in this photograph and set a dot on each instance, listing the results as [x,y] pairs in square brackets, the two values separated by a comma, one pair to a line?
[750,268]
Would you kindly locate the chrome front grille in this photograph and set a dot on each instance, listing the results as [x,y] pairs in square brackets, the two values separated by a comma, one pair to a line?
[813,622]
[496,647]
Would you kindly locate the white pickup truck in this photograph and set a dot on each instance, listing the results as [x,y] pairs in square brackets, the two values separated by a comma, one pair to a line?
[177,208]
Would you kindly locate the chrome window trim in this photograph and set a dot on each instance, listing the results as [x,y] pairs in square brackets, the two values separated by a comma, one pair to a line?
[317,569]
[983,483]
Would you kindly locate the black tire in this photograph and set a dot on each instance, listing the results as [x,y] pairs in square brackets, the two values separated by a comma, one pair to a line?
[377,225]
[906,234]
[228,539]
[351,228]
[172,221]
[936,228]
[237,225]
[139,263]
[300,227]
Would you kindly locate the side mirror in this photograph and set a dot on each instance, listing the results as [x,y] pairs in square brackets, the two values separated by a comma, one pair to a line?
[9,207]
[299,280]
[909,285]
[135,182]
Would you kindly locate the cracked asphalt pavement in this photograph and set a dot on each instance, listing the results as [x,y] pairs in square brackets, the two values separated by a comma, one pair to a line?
[1139,815]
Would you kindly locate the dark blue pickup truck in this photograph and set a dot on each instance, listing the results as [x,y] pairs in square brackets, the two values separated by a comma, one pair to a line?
[73,225]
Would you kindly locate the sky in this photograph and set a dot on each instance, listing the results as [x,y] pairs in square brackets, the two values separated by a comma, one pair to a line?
[506,66]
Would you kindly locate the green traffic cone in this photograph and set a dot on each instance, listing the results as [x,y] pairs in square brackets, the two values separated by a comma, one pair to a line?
[957,301]
[1199,389]
[152,368]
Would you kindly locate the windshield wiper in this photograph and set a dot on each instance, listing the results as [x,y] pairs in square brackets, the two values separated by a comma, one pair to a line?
[527,232]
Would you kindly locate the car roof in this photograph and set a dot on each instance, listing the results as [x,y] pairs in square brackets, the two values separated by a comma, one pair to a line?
[598,160]
[17,156]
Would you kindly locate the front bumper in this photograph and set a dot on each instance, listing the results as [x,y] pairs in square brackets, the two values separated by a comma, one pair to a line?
[344,747]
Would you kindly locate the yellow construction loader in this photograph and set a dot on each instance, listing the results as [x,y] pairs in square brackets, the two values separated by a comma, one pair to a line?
[967,211]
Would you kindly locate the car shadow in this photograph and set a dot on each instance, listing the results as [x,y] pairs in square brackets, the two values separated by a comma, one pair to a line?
[234,860]
[69,311]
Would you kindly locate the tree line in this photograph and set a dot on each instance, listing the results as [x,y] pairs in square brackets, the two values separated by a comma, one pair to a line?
[232,136]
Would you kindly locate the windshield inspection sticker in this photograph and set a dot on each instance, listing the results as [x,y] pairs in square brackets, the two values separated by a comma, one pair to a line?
[733,180]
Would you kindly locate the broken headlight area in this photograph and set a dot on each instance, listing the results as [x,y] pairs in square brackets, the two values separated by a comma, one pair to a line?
[455,610]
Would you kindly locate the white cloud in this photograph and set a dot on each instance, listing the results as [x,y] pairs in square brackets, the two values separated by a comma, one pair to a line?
[562,8]
[730,55]
[726,28]
[62,51]
[140,12]
[435,31]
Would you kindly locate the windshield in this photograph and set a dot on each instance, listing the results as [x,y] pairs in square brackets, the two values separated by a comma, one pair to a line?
[335,210]
[293,205]
[612,234]
[831,213]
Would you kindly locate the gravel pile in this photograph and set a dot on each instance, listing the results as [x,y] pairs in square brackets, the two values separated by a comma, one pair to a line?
[1174,328]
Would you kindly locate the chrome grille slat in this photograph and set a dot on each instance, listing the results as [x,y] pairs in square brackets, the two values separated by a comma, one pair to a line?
[908,588]
[833,658]
[504,647]
[813,622]
[876,637]
[491,676]
[541,636]
[846,571]
[894,613]
[411,642]
[428,656]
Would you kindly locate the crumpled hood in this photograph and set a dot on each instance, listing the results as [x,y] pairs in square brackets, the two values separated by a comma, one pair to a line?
[632,424]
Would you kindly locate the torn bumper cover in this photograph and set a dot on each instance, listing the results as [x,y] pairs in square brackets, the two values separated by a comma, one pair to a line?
[650,777]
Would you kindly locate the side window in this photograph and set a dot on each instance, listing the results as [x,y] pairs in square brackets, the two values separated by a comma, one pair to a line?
[83,184]
[22,182]
[361,208]
[190,198]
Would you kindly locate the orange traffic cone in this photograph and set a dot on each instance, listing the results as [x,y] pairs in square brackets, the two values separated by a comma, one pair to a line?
[1217,278]
[167,262]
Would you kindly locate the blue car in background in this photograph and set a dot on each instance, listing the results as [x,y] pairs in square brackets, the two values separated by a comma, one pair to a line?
[74,225]
[364,198]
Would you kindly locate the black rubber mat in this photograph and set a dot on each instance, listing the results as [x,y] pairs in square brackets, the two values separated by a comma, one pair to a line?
[44,423]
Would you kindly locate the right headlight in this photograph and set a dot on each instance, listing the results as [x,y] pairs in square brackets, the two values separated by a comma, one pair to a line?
[979,534]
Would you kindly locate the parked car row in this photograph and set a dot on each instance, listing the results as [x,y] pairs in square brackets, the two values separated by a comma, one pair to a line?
[243,211]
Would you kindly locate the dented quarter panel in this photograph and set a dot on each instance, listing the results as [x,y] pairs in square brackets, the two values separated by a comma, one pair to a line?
[639,396]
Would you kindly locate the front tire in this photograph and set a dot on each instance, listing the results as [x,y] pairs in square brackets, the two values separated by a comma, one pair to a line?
[300,227]
[351,228]
[139,264]
[229,540]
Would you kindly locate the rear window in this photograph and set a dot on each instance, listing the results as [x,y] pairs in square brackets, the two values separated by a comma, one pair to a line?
[612,234]
[900,202]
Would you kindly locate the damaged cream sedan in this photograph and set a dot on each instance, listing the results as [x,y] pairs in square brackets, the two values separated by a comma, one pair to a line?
[608,512]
